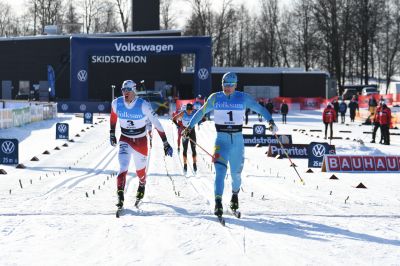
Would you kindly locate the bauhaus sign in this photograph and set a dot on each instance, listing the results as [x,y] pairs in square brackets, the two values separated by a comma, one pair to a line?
[358,163]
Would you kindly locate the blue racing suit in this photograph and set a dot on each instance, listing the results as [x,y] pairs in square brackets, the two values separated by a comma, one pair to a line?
[229,145]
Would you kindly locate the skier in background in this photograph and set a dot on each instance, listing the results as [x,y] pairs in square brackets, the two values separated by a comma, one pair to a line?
[179,127]
[132,113]
[328,117]
[229,107]
[384,121]
[185,117]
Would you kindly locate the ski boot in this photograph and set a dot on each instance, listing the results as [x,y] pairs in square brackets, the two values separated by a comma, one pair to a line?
[195,167]
[373,141]
[234,201]
[120,203]
[140,192]
[218,210]
[185,169]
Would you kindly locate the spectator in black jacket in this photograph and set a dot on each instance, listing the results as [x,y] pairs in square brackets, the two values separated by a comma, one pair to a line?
[270,106]
[353,106]
[284,111]
[336,108]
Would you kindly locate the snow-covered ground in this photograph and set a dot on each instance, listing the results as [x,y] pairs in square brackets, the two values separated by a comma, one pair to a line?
[65,213]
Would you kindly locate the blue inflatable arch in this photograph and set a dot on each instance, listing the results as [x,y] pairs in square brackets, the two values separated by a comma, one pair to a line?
[83,47]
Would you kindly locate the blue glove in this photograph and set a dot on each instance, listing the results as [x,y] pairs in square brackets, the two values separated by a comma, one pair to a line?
[167,149]
[113,139]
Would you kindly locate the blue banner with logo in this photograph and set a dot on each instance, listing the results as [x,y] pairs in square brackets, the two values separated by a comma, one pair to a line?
[51,78]
[62,131]
[265,140]
[8,151]
[316,152]
[82,48]
[88,118]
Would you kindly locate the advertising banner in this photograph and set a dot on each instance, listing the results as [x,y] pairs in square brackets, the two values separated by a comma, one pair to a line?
[8,151]
[62,131]
[316,152]
[265,140]
[358,163]
[88,118]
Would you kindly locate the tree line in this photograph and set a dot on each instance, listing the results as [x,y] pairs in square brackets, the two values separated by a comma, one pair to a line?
[353,40]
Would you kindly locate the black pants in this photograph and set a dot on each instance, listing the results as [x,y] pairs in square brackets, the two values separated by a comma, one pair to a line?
[284,118]
[352,115]
[376,126]
[185,143]
[326,129]
[343,117]
[385,134]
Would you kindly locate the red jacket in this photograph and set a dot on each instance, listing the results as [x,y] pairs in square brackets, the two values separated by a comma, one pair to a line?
[329,115]
[377,114]
[385,116]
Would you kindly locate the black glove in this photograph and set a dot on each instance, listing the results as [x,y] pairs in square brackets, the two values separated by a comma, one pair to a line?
[113,139]
[186,132]
[272,127]
[167,149]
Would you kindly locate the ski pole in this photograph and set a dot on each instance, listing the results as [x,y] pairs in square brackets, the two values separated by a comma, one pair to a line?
[202,148]
[290,160]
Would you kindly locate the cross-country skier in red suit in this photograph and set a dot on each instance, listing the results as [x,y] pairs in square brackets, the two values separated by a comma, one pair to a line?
[132,113]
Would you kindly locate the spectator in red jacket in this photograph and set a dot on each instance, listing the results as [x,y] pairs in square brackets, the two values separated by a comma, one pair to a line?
[384,121]
[328,117]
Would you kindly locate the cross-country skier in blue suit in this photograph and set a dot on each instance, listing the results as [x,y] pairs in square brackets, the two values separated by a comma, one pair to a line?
[229,108]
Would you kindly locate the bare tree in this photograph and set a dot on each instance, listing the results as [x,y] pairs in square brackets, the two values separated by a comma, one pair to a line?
[167,16]
[123,10]
[71,22]
[5,18]
[91,10]
[47,12]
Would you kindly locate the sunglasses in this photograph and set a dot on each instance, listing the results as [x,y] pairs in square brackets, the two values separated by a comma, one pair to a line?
[127,89]
[229,85]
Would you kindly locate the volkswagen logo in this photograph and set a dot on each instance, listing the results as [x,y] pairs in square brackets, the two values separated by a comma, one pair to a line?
[259,130]
[101,107]
[64,107]
[82,107]
[203,73]
[62,128]
[88,115]
[7,147]
[318,150]
[82,75]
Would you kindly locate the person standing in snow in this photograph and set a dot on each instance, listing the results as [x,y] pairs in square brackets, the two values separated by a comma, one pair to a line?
[185,117]
[284,111]
[375,122]
[336,108]
[133,113]
[353,106]
[328,117]
[229,108]
[384,121]
[342,110]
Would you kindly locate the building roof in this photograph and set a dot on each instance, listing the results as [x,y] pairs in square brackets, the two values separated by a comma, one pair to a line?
[258,70]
